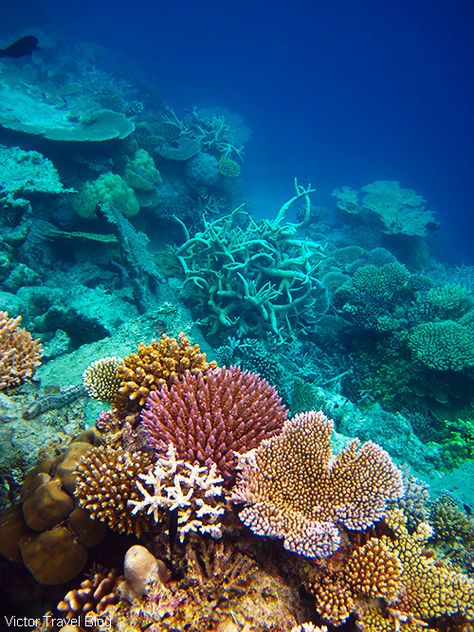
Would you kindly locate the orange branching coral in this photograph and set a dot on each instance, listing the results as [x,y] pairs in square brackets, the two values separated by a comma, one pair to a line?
[106,482]
[154,365]
[19,353]
[101,379]
[293,488]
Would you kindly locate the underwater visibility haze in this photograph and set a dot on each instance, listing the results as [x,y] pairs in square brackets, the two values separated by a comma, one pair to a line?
[237,316]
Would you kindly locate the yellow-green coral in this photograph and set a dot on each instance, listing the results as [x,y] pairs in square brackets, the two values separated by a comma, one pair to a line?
[109,188]
[443,346]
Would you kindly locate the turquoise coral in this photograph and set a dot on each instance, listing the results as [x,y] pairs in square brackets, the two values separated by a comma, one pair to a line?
[443,346]
[242,273]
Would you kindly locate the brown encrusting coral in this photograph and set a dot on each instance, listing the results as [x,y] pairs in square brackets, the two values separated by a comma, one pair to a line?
[106,482]
[20,354]
[154,365]
[294,489]
[209,417]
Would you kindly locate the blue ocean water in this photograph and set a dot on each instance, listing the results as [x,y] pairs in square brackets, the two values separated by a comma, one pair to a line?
[334,92]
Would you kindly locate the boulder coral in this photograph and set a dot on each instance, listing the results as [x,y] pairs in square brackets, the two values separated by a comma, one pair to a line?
[108,188]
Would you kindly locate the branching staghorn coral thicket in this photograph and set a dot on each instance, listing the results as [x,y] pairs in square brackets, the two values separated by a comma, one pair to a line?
[249,273]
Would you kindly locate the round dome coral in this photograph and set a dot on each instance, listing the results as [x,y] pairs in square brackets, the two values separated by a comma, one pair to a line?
[208,417]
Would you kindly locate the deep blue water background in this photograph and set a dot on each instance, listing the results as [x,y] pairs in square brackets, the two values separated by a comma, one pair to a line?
[335,92]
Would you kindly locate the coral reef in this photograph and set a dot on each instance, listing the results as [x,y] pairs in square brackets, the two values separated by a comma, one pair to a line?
[194,493]
[293,489]
[20,353]
[154,365]
[102,380]
[209,417]
[248,274]
[106,484]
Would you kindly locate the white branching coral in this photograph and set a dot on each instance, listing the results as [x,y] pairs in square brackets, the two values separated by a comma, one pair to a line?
[195,492]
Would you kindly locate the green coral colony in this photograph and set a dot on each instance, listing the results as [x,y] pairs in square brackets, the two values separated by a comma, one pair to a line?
[154,483]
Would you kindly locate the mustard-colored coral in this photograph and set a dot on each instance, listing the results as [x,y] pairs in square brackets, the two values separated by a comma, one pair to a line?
[294,489]
[393,582]
[347,582]
[20,354]
[155,364]
[101,378]
[431,589]
[106,483]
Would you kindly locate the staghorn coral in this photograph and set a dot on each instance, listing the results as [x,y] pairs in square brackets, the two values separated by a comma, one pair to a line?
[92,597]
[101,378]
[243,274]
[293,489]
[194,492]
[106,483]
[19,353]
[154,365]
[209,417]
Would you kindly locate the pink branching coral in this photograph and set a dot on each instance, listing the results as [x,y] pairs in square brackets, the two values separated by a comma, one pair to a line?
[294,489]
[20,354]
[209,416]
